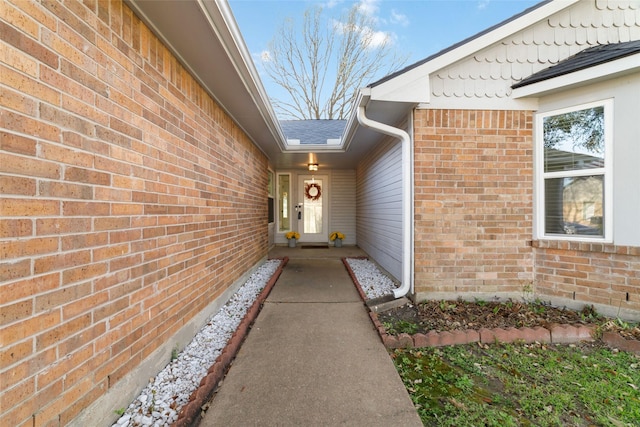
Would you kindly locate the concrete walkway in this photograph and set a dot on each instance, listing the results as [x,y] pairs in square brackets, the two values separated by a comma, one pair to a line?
[312,357]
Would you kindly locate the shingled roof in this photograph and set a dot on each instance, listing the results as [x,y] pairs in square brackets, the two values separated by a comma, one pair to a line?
[319,132]
[584,59]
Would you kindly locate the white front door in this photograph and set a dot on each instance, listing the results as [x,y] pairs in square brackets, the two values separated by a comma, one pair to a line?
[313,208]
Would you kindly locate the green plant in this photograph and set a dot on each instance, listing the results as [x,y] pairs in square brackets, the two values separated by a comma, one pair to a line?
[527,292]
[400,327]
[521,384]
[152,406]
[120,411]
[446,305]
[480,302]
[622,324]
[589,312]
[175,351]
[538,306]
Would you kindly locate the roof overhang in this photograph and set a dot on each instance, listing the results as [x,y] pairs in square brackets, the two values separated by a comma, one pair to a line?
[601,72]
[204,36]
[359,139]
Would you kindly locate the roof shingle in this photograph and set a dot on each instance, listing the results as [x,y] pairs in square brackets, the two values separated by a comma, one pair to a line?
[584,59]
[313,131]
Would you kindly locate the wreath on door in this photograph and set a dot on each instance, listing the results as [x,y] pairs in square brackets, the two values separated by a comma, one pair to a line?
[312,191]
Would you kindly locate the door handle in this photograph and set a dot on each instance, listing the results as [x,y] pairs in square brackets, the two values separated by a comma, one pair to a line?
[299,215]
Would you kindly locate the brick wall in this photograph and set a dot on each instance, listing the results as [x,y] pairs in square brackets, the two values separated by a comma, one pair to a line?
[591,273]
[129,202]
[473,177]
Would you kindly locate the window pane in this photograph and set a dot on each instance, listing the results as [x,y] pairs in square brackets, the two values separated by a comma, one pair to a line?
[284,201]
[574,205]
[574,140]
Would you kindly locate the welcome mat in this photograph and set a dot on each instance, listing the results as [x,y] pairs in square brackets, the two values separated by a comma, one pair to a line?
[320,246]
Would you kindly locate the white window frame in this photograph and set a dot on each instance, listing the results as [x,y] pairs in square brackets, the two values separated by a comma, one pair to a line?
[606,172]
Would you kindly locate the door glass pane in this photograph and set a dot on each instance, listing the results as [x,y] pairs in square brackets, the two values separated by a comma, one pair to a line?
[574,205]
[284,201]
[313,206]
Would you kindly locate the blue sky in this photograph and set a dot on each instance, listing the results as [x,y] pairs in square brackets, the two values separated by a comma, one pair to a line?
[419,28]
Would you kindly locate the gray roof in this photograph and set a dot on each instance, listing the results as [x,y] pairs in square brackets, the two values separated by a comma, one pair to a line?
[584,59]
[312,131]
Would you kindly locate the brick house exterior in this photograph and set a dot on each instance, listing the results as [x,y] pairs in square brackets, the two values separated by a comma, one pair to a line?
[473,201]
[134,181]
[473,178]
[131,202]
[474,114]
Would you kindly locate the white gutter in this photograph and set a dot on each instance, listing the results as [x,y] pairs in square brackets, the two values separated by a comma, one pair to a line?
[407,194]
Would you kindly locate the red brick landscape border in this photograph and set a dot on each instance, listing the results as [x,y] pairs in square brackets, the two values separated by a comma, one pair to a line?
[615,340]
[190,412]
[556,333]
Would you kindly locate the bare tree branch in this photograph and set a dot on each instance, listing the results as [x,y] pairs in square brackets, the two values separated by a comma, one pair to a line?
[322,68]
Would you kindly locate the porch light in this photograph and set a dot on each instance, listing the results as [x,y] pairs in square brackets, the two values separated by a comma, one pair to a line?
[313,167]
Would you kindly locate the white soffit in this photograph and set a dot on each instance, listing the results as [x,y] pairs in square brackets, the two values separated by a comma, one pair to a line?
[608,70]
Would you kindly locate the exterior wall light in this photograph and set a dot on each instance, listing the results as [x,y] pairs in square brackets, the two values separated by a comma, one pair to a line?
[313,167]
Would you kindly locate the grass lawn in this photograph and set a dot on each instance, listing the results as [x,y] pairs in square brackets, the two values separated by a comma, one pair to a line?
[522,385]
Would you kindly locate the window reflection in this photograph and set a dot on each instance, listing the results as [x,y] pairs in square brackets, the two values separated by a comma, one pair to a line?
[574,205]
[574,140]
[574,200]
[284,191]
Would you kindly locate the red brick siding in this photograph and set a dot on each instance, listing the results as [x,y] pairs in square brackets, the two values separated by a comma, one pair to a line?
[473,176]
[130,201]
[593,273]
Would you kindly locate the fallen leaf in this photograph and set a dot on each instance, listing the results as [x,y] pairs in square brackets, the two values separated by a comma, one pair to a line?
[615,422]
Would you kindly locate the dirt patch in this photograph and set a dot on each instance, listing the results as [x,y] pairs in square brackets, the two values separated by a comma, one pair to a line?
[443,315]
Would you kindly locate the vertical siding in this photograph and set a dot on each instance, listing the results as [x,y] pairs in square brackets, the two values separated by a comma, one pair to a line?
[343,204]
[379,205]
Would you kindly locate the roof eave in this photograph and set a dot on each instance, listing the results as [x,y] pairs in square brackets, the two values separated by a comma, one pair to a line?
[381,108]
[609,70]
[242,94]
[409,79]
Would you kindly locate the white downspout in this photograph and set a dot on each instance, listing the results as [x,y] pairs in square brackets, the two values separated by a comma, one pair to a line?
[407,197]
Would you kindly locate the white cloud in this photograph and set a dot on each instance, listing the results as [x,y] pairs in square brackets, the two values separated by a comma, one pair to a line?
[369,7]
[482,4]
[379,38]
[265,56]
[399,18]
[332,3]
[369,38]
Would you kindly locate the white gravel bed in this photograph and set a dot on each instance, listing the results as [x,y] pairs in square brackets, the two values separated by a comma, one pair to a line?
[161,400]
[373,282]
